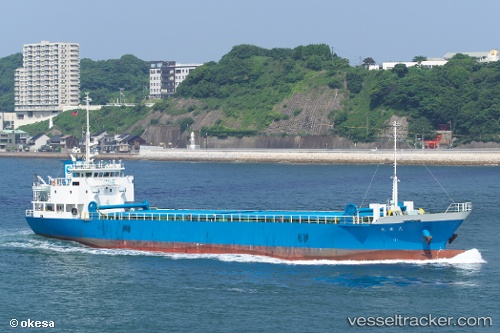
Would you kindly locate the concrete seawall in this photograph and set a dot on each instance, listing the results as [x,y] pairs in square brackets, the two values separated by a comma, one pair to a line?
[330,156]
[409,157]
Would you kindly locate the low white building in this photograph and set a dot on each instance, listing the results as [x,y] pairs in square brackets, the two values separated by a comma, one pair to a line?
[37,141]
[479,56]
[425,63]
[489,56]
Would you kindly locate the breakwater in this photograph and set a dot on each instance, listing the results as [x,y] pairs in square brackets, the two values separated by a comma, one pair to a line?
[351,156]
[347,156]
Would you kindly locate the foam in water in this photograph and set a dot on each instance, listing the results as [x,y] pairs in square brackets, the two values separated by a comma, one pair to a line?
[25,239]
[472,256]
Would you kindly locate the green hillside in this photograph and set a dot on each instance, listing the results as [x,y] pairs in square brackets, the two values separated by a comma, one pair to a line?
[8,66]
[104,78]
[252,91]
[249,81]
[463,94]
[112,119]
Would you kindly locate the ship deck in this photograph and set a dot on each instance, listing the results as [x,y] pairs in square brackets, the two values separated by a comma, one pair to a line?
[239,216]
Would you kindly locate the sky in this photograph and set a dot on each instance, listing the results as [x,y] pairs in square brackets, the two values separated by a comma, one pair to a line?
[198,31]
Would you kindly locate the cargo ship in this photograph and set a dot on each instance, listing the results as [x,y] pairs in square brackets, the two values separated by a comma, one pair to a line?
[94,204]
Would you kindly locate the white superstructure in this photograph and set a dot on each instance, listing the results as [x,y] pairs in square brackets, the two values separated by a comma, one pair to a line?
[85,181]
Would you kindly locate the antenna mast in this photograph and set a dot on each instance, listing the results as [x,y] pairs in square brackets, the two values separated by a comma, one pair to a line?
[395,179]
[87,134]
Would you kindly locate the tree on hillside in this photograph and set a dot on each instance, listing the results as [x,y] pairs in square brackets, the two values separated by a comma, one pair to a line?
[419,58]
[400,70]
[8,66]
[280,53]
[104,78]
[314,63]
[244,51]
[367,62]
[354,81]
[305,52]
[339,63]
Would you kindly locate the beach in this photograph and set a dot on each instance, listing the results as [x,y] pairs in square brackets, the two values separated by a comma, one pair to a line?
[319,156]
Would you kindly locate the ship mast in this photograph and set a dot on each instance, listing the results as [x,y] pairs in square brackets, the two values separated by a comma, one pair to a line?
[395,179]
[87,134]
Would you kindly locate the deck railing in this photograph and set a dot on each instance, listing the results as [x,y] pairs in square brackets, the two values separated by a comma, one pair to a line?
[457,207]
[321,219]
[97,165]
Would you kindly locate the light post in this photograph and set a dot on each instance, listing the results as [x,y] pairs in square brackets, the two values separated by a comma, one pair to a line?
[451,134]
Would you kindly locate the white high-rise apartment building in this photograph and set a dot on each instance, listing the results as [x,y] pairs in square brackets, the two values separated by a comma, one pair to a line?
[49,81]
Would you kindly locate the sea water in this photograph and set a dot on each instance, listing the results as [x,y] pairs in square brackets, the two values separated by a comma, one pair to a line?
[79,289]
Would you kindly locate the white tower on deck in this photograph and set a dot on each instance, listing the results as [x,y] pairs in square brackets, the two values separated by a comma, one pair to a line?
[395,180]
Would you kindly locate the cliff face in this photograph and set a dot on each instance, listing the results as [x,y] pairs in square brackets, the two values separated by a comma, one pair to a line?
[171,137]
[307,113]
[305,125]
[276,142]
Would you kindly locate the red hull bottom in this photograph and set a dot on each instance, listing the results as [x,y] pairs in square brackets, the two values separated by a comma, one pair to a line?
[284,253]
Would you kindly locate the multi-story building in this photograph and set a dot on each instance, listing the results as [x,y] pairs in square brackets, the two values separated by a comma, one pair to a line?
[165,77]
[12,140]
[49,81]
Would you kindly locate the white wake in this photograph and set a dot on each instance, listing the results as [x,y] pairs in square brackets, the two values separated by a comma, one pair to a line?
[28,241]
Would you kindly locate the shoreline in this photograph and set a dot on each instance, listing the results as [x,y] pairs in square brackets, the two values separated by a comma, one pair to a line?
[405,157]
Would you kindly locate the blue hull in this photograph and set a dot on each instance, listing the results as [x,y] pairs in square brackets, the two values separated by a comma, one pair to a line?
[277,239]
[94,204]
